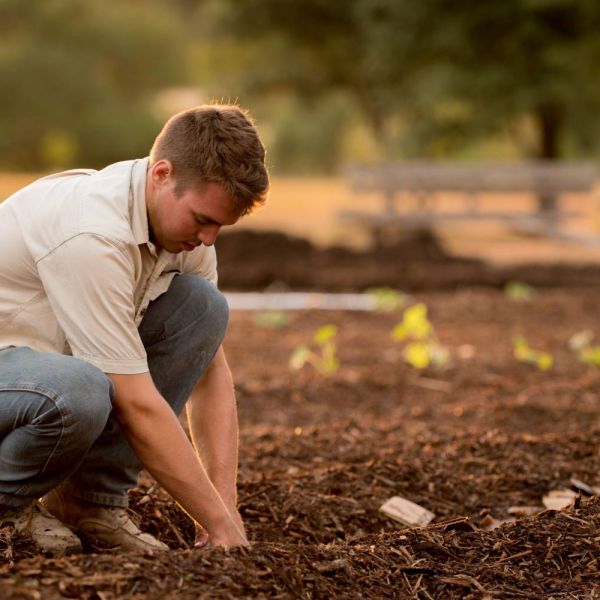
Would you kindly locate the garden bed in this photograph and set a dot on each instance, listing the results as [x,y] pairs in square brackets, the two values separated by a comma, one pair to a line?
[319,455]
[418,261]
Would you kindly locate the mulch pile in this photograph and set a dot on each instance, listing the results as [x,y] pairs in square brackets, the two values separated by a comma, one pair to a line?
[552,555]
[319,455]
[253,260]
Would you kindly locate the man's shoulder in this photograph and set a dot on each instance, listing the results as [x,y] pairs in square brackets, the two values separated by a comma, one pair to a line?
[80,201]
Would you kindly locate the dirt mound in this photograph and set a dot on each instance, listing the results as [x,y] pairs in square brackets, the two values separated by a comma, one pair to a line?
[252,260]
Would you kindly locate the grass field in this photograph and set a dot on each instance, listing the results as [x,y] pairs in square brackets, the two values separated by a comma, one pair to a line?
[310,207]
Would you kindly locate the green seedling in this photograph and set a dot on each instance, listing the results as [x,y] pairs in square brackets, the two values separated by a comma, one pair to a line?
[581,344]
[387,299]
[270,318]
[521,351]
[519,291]
[323,358]
[422,346]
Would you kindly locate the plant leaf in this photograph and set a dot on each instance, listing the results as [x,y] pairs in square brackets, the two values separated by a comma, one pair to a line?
[324,334]
[417,355]
[581,339]
[416,322]
[270,318]
[521,350]
[590,355]
[439,354]
[386,298]
[299,357]
[399,332]
[519,291]
[330,365]
[544,361]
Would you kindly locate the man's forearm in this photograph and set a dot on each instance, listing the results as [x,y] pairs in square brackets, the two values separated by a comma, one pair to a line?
[161,444]
[212,416]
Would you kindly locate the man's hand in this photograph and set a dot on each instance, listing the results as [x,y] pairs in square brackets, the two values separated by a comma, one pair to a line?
[161,444]
[206,541]
[227,537]
[202,537]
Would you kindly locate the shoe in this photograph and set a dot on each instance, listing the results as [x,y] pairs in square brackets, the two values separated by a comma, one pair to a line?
[107,524]
[46,531]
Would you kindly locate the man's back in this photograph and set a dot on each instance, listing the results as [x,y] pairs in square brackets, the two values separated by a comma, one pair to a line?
[38,226]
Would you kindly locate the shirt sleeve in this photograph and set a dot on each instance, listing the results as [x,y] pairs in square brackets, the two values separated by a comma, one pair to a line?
[203,262]
[89,281]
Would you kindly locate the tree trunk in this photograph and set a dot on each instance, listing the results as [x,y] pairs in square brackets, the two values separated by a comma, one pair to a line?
[374,111]
[549,119]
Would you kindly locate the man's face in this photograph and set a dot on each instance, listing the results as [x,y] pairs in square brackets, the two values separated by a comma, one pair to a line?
[181,223]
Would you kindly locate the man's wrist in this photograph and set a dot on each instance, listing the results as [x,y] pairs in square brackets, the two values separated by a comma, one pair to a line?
[227,491]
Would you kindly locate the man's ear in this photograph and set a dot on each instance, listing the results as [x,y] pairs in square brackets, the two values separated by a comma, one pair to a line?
[161,170]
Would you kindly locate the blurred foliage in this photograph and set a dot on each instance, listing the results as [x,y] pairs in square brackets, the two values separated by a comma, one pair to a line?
[270,318]
[324,359]
[327,80]
[581,344]
[520,291]
[77,79]
[422,347]
[432,77]
[524,353]
[387,299]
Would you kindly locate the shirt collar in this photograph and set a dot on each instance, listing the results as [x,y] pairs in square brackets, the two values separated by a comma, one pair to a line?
[137,203]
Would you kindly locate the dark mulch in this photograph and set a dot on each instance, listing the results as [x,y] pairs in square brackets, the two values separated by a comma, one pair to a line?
[319,456]
[254,260]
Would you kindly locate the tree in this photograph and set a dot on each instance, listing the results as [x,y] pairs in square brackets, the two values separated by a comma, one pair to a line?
[452,72]
[78,76]
[370,49]
[525,57]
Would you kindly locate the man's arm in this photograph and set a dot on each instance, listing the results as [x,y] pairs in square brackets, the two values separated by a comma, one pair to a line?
[212,417]
[159,441]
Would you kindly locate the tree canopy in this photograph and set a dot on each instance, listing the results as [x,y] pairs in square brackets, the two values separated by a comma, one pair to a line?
[77,77]
[414,79]
[450,71]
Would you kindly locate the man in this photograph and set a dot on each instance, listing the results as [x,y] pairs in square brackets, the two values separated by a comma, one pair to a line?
[110,320]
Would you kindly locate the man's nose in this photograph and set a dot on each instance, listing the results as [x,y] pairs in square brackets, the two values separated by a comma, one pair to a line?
[208,234]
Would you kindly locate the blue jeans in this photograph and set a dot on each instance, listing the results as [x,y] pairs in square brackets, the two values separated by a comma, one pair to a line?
[56,419]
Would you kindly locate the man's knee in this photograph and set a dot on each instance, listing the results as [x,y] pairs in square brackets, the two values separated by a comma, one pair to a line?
[85,400]
[202,302]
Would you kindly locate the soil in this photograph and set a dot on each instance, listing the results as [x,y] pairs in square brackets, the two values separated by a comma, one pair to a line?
[320,454]
[416,261]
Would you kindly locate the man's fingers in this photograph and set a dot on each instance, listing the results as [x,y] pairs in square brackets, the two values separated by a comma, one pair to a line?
[201,538]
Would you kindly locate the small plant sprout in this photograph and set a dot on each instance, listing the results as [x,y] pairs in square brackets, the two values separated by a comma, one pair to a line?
[422,346]
[521,351]
[270,318]
[324,359]
[581,344]
[519,291]
[387,299]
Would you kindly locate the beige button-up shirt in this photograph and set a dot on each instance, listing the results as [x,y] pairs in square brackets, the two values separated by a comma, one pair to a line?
[78,270]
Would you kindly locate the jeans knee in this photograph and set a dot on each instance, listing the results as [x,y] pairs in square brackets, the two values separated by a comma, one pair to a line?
[218,310]
[87,401]
[204,302]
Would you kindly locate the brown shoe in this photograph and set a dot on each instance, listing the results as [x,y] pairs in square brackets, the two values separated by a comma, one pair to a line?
[107,524]
[46,531]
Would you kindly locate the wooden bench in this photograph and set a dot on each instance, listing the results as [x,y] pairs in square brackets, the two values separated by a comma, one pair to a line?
[422,180]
